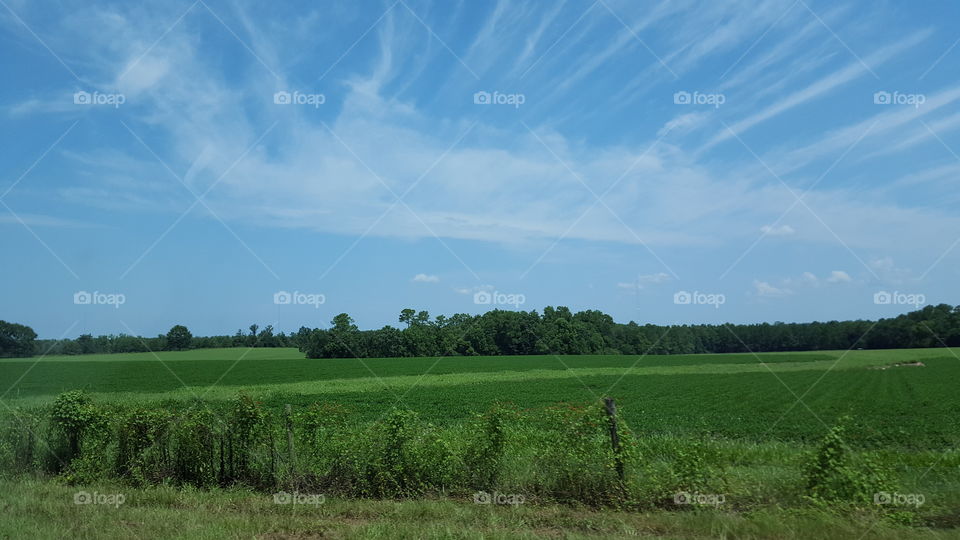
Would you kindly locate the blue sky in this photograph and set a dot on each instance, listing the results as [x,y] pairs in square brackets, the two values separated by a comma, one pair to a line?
[661,161]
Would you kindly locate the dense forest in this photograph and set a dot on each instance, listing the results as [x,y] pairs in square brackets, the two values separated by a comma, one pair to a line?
[501,332]
[178,338]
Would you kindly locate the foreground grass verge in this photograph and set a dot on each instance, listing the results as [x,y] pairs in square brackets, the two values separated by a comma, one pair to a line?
[46,509]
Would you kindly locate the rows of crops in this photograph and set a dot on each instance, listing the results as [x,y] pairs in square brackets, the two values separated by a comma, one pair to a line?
[733,396]
[910,409]
[163,371]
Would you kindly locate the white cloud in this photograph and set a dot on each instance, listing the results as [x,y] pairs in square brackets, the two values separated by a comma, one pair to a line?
[851,71]
[683,124]
[59,103]
[142,75]
[644,280]
[876,129]
[888,272]
[426,278]
[783,230]
[39,220]
[766,290]
[475,289]
[791,285]
[659,277]
[806,279]
[839,276]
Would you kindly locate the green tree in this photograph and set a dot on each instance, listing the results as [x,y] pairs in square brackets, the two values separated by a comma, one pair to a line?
[316,343]
[266,337]
[85,342]
[179,338]
[406,316]
[16,340]
[344,338]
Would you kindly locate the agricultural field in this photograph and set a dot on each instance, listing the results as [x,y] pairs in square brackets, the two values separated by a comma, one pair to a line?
[740,396]
[740,427]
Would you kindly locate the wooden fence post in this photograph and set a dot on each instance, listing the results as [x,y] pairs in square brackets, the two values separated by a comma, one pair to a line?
[611,407]
[293,456]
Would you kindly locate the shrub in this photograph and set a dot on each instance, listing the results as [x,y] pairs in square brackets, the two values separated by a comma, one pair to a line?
[193,442]
[574,456]
[832,476]
[483,456]
[142,440]
[250,445]
[76,417]
[696,469]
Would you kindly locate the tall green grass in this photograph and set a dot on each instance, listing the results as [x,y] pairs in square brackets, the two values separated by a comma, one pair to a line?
[554,454]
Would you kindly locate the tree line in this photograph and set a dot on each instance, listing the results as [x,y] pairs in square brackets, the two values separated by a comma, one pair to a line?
[17,340]
[501,332]
[559,331]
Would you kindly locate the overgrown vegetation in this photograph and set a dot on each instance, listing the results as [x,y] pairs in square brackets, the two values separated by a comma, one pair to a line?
[561,454]
[834,476]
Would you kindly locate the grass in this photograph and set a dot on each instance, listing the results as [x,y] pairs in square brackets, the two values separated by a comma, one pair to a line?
[46,509]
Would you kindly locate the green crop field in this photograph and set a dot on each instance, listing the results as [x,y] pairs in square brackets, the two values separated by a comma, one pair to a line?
[748,425]
[736,395]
